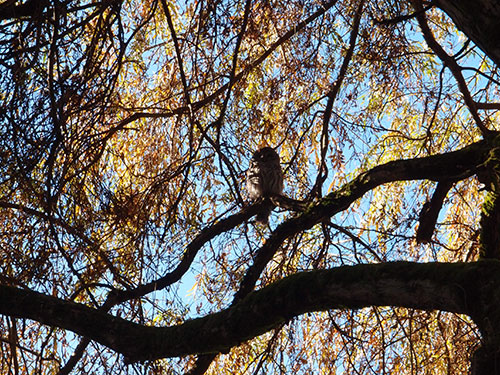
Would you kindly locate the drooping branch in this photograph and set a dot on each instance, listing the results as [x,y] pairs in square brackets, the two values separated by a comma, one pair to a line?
[332,95]
[195,106]
[442,286]
[430,212]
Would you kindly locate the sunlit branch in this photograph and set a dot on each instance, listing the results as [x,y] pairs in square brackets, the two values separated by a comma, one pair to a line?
[209,99]
[454,165]
[51,220]
[177,54]
[234,65]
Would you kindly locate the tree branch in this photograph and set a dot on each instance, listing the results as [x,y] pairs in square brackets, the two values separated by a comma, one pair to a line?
[430,211]
[478,20]
[454,165]
[450,63]
[431,286]
[488,106]
[401,284]
[332,95]
[31,8]
[191,250]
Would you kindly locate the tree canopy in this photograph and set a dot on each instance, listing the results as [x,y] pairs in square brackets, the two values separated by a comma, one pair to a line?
[128,242]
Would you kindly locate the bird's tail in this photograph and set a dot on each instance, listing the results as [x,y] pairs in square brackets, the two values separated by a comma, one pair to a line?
[263,216]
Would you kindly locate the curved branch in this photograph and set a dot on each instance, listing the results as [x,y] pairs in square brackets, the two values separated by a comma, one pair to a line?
[192,249]
[454,166]
[332,95]
[448,287]
[430,211]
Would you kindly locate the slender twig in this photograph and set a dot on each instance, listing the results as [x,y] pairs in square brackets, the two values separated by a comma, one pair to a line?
[332,95]
[404,17]
[451,64]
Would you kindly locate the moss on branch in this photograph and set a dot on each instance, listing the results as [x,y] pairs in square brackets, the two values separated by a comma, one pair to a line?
[455,287]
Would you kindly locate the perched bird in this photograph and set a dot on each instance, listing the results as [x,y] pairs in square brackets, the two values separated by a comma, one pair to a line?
[264,179]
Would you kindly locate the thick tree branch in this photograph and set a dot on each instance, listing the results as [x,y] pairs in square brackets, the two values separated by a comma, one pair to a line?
[433,286]
[187,259]
[31,8]
[430,212]
[255,313]
[479,20]
[450,166]
[488,106]
[453,165]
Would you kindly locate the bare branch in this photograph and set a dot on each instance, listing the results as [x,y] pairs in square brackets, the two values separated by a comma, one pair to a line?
[488,106]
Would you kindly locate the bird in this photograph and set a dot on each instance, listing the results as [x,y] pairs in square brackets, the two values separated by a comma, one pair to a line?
[264,179]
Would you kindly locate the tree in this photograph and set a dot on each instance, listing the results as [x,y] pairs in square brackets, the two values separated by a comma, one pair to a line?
[126,129]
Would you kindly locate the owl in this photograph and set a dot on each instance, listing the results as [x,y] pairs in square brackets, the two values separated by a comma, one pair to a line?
[264,179]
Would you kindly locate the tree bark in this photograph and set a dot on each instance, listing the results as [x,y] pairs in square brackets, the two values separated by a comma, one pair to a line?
[479,20]
[460,288]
